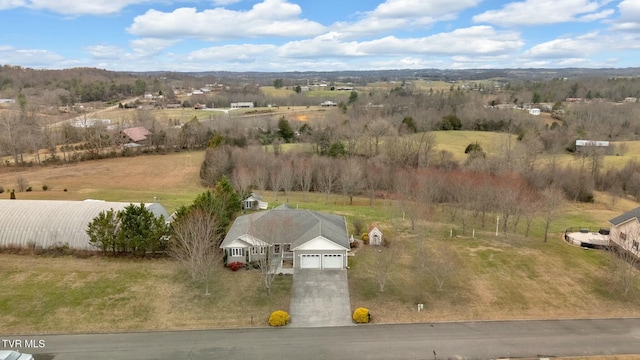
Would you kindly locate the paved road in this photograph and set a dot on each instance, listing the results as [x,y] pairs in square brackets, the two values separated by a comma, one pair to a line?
[463,340]
[320,298]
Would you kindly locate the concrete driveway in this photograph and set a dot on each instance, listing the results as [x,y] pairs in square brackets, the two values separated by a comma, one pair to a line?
[320,298]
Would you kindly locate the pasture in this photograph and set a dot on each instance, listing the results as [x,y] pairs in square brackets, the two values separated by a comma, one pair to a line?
[485,277]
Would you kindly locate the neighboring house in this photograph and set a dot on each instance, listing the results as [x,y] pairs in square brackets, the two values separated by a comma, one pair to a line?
[242,105]
[311,239]
[48,223]
[328,103]
[254,202]
[137,135]
[625,231]
[375,234]
[534,112]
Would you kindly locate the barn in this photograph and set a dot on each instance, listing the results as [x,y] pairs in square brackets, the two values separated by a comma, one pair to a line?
[47,223]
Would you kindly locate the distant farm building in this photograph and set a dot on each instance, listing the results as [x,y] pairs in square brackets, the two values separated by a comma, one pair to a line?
[583,144]
[534,112]
[242,105]
[49,223]
[86,123]
[328,103]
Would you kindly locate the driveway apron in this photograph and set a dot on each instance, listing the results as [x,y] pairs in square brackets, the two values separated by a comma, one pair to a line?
[320,298]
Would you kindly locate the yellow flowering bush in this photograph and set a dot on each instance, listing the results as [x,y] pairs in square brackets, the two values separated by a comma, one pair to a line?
[279,318]
[361,315]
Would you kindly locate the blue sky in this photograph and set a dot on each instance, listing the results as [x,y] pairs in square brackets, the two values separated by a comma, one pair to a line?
[327,35]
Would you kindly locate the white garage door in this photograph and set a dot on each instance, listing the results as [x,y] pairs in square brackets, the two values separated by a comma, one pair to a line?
[310,261]
[332,261]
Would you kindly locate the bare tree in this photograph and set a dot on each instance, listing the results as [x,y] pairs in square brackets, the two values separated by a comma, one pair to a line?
[376,130]
[287,177]
[261,176]
[384,259]
[275,177]
[351,173]
[373,177]
[304,174]
[625,258]
[551,200]
[438,262]
[275,238]
[326,176]
[194,244]
[242,180]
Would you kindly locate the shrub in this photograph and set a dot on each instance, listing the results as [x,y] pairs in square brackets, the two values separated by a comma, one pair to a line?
[354,244]
[13,195]
[29,189]
[279,318]
[45,187]
[236,265]
[1,189]
[65,190]
[365,238]
[358,225]
[361,316]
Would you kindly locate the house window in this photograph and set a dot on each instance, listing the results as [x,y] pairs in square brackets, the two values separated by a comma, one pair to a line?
[276,248]
[286,247]
[255,249]
[623,236]
[636,245]
[237,252]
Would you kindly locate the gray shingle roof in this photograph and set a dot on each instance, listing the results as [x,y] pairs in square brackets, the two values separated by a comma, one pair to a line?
[49,222]
[635,213]
[287,225]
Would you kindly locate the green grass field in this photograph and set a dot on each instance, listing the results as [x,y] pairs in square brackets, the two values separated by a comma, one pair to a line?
[503,277]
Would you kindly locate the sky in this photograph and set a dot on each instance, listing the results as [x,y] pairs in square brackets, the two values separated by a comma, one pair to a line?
[318,35]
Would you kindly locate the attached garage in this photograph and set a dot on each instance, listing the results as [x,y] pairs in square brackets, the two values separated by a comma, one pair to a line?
[310,261]
[332,261]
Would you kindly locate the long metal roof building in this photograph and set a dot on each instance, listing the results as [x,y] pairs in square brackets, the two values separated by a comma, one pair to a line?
[46,223]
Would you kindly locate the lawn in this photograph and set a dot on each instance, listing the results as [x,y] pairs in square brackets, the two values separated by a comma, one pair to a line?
[504,277]
[43,294]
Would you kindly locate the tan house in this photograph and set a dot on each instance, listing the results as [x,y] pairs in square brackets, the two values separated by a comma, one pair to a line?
[625,231]
[375,234]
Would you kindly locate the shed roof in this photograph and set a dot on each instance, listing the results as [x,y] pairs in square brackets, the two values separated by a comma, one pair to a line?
[46,223]
[620,219]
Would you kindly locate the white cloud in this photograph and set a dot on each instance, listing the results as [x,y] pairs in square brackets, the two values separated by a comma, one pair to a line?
[150,46]
[402,14]
[629,16]
[537,12]
[36,58]
[105,51]
[567,47]
[420,8]
[584,46]
[225,2]
[244,53]
[72,7]
[270,18]
[10,4]
[478,40]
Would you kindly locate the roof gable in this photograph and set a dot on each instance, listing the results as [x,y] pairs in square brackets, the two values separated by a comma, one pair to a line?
[319,243]
[286,225]
[629,215]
